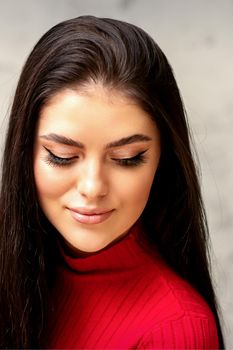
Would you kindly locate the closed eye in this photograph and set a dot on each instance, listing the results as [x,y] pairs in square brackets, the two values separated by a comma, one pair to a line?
[55,160]
[133,161]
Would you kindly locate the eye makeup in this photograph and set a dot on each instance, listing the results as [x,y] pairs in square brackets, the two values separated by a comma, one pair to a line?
[54,160]
[132,161]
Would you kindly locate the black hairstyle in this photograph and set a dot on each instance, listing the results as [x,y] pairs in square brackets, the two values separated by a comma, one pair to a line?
[120,56]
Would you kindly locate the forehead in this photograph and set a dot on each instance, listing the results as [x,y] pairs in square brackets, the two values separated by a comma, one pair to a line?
[96,111]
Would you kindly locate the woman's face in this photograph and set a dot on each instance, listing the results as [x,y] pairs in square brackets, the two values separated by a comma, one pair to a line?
[95,157]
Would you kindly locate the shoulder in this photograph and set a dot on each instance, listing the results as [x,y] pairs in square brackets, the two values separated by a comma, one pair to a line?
[183,318]
[185,333]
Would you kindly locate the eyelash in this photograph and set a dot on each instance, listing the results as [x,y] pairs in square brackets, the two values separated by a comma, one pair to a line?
[133,161]
[54,160]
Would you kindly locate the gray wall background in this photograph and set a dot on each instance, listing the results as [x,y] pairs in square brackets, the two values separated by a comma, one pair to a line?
[197,37]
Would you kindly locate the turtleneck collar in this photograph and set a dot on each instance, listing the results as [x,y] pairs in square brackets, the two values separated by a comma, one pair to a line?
[123,254]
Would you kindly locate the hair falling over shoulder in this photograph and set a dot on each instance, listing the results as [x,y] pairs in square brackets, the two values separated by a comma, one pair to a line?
[123,57]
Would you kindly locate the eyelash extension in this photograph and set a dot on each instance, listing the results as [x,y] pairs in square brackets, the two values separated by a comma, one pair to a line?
[54,160]
[134,161]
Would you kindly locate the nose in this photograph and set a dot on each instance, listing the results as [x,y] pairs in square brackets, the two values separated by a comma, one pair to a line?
[92,182]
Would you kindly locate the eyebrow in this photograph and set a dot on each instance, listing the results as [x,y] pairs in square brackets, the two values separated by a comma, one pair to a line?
[121,142]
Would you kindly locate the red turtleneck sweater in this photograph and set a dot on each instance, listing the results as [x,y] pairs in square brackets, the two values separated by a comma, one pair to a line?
[125,297]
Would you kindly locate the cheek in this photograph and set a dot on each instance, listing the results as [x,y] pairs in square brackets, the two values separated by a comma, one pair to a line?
[49,182]
[136,190]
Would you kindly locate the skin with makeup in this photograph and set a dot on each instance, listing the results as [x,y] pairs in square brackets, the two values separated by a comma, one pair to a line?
[94,185]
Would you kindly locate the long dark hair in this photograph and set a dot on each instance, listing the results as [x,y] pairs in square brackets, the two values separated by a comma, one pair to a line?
[121,56]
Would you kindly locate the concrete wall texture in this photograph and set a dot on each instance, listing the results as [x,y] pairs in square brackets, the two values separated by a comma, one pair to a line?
[197,37]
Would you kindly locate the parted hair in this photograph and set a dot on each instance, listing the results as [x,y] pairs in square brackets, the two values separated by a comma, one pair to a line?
[120,56]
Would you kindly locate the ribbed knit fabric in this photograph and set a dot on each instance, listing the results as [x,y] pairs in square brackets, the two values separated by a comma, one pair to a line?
[123,297]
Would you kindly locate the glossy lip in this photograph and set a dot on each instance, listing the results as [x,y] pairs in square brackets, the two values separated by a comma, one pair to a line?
[90,216]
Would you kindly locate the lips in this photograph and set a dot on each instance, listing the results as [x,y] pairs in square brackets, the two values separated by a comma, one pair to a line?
[90,216]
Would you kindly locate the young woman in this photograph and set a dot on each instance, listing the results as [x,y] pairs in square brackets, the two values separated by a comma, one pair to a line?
[103,232]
